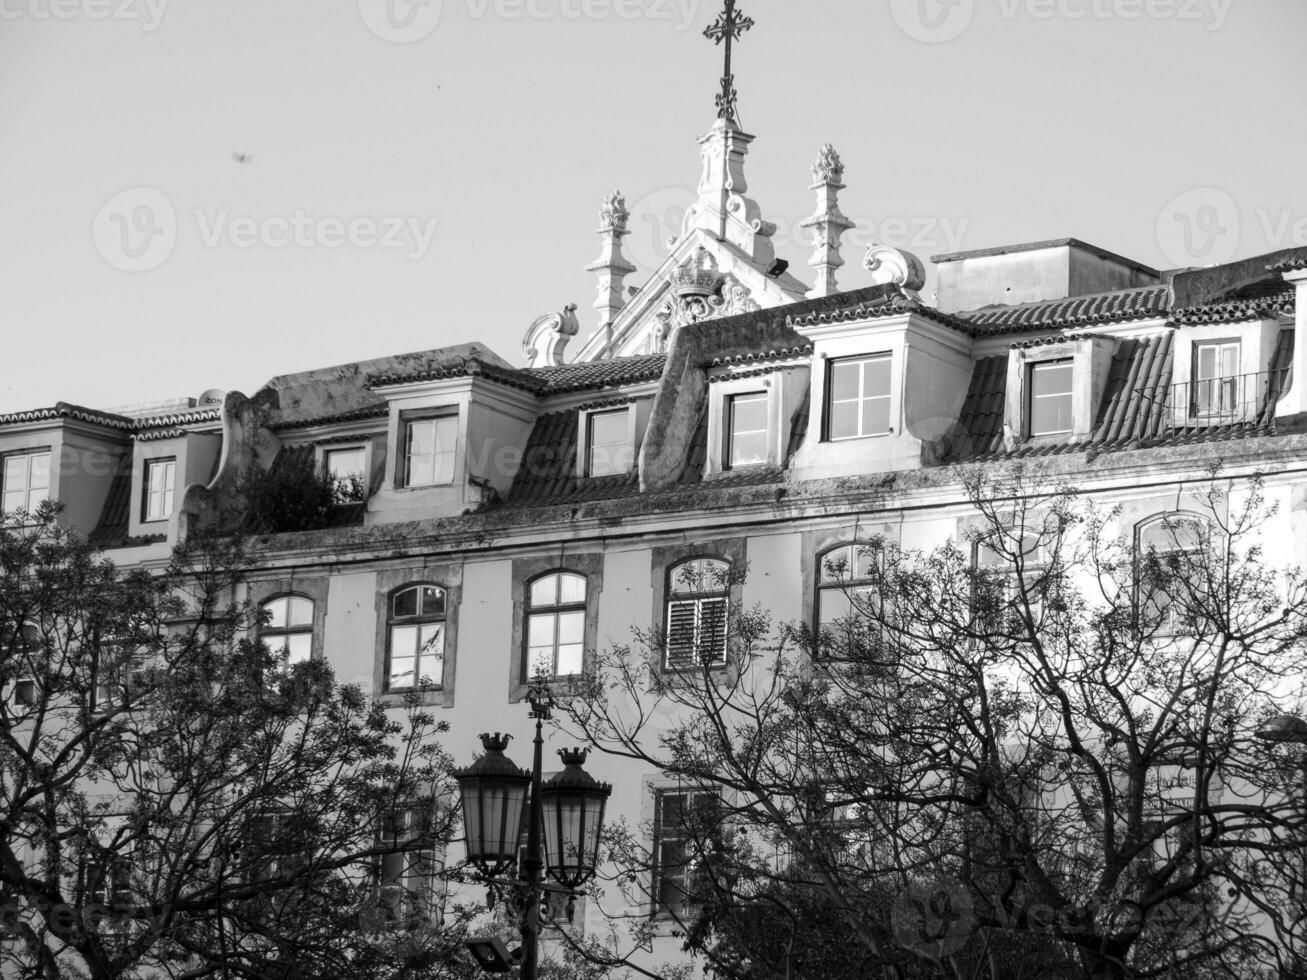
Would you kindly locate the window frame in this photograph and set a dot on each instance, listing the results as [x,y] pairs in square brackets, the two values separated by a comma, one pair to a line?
[730,434]
[167,497]
[1220,380]
[556,611]
[1034,370]
[676,594]
[29,455]
[339,486]
[659,873]
[419,619]
[828,408]
[268,633]
[401,905]
[858,584]
[626,453]
[1171,626]
[404,460]
[26,690]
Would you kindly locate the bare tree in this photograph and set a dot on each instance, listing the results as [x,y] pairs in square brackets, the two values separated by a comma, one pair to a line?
[176,800]
[1032,752]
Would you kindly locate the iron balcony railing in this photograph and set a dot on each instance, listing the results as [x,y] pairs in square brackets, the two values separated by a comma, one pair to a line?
[1244,399]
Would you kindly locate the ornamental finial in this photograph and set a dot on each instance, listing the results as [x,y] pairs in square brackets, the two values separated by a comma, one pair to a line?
[730,26]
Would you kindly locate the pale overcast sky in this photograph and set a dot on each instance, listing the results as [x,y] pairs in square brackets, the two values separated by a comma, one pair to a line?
[464,147]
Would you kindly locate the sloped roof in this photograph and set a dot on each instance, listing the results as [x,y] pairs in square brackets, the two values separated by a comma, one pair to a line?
[1136,408]
[1142,303]
[331,393]
[548,470]
[1256,301]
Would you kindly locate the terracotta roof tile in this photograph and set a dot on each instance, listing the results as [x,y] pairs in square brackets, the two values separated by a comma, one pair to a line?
[1256,304]
[599,374]
[1123,305]
[116,513]
[548,470]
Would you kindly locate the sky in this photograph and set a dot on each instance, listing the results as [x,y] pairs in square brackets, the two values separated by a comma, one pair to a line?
[200,194]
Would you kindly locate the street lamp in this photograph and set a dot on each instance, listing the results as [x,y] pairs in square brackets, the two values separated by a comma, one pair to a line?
[568,812]
[1289,729]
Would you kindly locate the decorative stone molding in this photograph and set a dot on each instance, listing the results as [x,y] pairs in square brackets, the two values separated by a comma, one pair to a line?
[547,337]
[895,266]
[828,223]
[611,266]
[723,209]
[701,292]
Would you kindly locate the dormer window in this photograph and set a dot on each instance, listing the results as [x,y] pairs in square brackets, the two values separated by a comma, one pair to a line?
[746,429]
[1215,379]
[26,481]
[1049,407]
[858,397]
[608,442]
[160,489]
[430,445]
[347,467]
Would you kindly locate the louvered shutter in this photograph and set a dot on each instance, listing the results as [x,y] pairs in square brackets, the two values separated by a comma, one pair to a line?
[712,630]
[681,617]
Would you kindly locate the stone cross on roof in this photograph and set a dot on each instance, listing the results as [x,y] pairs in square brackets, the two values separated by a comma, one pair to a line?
[729,27]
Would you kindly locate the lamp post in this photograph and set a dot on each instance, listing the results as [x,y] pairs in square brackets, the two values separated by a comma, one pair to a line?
[564,815]
[1289,730]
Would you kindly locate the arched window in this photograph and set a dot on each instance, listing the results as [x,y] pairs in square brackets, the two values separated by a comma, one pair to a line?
[846,576]
[288,627]
[997,585]
[555,625]
[698,596]
[415,631]
[1163,546]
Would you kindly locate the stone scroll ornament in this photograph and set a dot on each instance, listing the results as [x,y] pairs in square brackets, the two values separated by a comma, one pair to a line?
[547,337]
[895,266]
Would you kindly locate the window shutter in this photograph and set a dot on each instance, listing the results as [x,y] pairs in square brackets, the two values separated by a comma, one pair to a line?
[681,615]
[712,630]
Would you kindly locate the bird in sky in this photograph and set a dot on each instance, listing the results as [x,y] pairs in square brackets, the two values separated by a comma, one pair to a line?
[240,156]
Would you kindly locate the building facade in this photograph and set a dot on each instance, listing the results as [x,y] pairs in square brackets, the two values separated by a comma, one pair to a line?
[499,519]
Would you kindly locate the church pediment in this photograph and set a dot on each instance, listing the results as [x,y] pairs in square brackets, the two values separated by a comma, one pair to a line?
[702,279]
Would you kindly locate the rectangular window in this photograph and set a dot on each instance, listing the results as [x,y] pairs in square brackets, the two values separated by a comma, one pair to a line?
[858,397]
[678,814]
[410,877]
[160,489]
[26,481]
[1216,379]
[346,467]
[608,443]
[25,693]
[747,429]
[1050,398]
[429,448]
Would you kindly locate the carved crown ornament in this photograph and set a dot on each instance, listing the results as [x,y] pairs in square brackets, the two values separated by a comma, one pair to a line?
[699,292]
[613,215]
